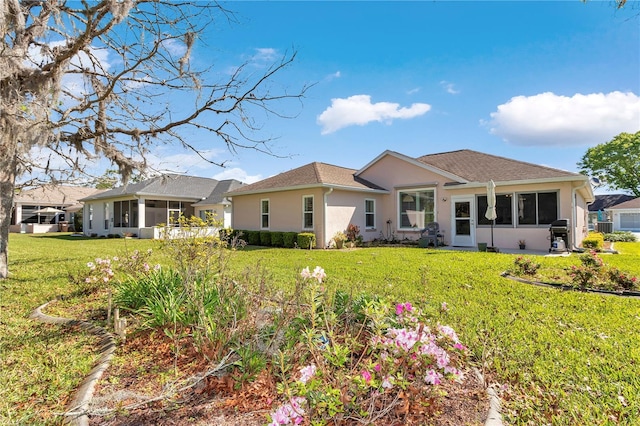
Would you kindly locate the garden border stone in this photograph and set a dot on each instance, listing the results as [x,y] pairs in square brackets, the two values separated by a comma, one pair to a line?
[565,287]
[77,413]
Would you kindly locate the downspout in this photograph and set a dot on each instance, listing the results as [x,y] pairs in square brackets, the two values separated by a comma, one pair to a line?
[324,216]
[574,215]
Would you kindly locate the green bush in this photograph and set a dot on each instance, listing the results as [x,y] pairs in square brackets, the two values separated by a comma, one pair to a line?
[265,238]
[290,239]
[306,240]
[620,236]
[594,241]
[253,238]
[277,239]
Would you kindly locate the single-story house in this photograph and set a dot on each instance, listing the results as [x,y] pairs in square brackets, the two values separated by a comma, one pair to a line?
[138,208]
[600,217]
[626,215]
[47,208]
[394,196]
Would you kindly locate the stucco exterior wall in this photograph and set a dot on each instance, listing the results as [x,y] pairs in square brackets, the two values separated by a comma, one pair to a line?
[285,211]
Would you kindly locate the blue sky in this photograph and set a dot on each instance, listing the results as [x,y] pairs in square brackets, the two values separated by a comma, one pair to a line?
[534,81]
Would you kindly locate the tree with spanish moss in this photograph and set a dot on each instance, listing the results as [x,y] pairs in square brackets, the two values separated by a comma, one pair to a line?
[100,79]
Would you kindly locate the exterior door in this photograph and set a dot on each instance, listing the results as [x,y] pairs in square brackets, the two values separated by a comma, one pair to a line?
[463,224]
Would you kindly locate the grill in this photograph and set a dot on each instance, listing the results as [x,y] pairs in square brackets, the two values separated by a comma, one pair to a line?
[559,235]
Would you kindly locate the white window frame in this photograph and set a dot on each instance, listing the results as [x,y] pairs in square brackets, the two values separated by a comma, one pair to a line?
[414,192]
[370,213]
[306,212]
[263,214]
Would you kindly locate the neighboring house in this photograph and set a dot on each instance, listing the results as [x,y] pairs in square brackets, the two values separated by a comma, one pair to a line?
[48,208]
[138,208]
[394,196]
[598,210]
[626,215]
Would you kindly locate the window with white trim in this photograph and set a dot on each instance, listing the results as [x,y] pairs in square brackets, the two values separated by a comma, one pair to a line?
[307,212]
[416,208]
[369,213]
[264,214]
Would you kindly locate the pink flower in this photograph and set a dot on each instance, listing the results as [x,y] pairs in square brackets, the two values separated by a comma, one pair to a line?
[444,307]
[305,273]
[432,378]
[366,376]
[307,373]
[319,274]
[377,367]
[387,382]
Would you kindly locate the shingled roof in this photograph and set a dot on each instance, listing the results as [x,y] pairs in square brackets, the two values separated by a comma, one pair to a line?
[177,186]
[605,201]
[474,166]
[218,194]
[310,175]
[629,204]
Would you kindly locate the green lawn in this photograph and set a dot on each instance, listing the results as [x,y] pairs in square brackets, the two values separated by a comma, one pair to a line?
[560,357]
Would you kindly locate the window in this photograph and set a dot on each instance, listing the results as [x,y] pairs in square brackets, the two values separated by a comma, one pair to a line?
[264,214]
[125,214]
[307,212]
[504,210]
[537,208]
[416,208]
[207,214]
[105,209]
[370,214]
[90,216]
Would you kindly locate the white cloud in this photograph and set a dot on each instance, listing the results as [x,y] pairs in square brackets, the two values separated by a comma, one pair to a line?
[185,162]
[265,54]
[550,119]
[449,87]
[413,91]
[238,174]
[174,47]
[358,110]
[333,76]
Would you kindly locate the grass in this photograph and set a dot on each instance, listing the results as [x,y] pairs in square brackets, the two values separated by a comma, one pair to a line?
[560,357]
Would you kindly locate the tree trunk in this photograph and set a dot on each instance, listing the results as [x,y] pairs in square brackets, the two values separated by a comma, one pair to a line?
[8,164]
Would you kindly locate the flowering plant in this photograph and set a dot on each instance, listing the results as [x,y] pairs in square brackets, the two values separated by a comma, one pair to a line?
[525,266]
[369,361]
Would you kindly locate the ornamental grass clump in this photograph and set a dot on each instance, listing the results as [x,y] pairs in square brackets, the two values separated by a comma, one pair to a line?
[363,360]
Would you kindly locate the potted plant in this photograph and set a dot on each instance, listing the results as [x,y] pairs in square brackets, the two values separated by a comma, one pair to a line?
[339,238]
[522,244]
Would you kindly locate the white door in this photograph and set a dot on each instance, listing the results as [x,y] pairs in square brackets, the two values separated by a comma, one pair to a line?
[463,223]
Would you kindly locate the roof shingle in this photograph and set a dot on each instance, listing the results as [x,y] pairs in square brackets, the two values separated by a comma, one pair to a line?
[475,166]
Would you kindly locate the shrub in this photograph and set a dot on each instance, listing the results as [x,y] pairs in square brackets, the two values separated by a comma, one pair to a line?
[306,240]
[621,236]
[265,238]
[253,238]
[353,232]
[290,239]
[277,239]
[358,358]
[622,280]
[594,241]
[525,266]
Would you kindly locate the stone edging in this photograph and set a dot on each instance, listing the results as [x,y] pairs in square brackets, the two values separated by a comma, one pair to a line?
[76,415]
[565,287]
[494,418]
